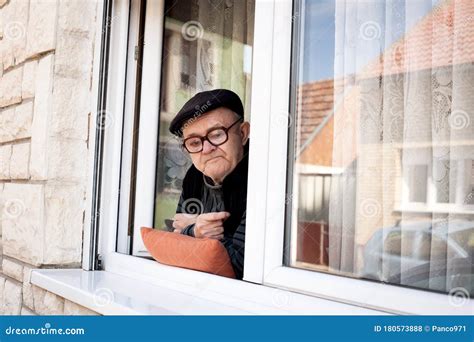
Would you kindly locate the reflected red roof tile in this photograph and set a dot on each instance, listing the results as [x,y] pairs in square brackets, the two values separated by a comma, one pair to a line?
[444,37]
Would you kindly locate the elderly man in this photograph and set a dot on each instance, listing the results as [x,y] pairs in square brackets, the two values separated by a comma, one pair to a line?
[213,200]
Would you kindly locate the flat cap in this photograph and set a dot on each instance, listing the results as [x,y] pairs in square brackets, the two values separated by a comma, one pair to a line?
[204,102]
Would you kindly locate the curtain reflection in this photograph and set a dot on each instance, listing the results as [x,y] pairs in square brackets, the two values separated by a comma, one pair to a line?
[393,129]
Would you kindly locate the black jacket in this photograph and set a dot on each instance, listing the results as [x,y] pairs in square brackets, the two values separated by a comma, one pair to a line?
[234,194]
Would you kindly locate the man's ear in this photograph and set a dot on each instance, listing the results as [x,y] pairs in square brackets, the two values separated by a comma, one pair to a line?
[245,132]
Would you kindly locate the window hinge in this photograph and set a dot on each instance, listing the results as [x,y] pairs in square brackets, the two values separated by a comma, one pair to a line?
[98,262]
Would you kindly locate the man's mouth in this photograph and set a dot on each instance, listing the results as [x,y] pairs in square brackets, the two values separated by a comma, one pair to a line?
[212,159]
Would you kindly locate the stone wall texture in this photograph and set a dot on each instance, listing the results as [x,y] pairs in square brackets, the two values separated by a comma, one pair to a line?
[46,59]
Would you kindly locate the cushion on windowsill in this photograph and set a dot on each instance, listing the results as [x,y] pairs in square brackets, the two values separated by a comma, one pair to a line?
[174,249]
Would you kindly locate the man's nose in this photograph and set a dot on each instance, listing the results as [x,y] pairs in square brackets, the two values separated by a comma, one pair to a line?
[207,147]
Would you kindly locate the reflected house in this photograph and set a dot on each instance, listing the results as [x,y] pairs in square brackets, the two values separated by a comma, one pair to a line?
[406,123]
[315,103]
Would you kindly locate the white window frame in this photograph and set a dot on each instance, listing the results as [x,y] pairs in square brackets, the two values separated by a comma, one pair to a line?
[272,272]
[131,78]
[148,125]
[267,170]
[432,205]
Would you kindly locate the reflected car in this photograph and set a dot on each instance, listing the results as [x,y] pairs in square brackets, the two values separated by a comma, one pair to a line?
[438,255]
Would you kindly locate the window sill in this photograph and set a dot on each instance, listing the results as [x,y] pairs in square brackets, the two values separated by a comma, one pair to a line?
[102,292]
[108,293]
[439,208]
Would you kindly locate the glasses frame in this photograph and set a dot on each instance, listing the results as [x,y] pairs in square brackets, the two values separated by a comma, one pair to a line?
[225,129]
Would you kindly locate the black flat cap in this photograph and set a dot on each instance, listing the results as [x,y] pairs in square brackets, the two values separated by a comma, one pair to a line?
[204,102]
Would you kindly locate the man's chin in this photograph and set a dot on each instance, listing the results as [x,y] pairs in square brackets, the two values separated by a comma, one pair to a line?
[216,170]
[215,174]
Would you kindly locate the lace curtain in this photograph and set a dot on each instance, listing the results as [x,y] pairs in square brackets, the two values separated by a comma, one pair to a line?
[401,211]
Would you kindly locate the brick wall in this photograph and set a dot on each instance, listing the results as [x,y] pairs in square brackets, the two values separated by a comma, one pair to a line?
[46,50]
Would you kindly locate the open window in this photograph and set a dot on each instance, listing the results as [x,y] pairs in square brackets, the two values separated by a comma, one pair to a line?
[350,124]
[175,49]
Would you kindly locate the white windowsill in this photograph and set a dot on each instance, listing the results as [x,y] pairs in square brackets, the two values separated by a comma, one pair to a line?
[111,294]
[438,208]
[116,294]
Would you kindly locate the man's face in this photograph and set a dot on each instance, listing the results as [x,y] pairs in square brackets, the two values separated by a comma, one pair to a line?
[217,162]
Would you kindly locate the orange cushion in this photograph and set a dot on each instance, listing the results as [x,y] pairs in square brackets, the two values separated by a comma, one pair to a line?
[206,255]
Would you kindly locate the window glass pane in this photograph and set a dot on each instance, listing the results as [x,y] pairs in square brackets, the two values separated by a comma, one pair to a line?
[417,183]
[384,115]
[440,179]
[207,45]
[470,197]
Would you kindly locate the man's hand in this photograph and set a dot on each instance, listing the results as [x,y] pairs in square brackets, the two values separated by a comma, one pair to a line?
[181,221]
[210,225]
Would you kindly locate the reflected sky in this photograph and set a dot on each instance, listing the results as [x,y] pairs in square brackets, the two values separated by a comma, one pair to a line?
[393,17]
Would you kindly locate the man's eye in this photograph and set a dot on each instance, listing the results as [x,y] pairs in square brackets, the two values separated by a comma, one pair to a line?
[216,134]
[194,143]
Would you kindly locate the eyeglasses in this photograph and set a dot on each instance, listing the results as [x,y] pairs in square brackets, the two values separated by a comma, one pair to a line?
[215,137]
